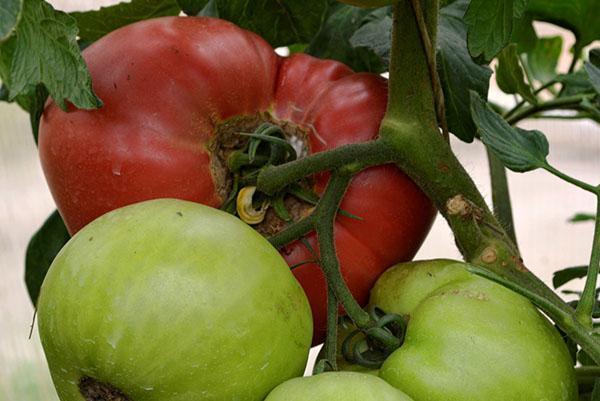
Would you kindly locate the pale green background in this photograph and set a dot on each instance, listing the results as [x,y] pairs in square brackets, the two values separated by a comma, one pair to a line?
[542,204]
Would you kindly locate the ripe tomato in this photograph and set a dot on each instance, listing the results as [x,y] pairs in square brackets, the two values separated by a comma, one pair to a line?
[470,339]
[337,386]
[175,88]
[159,301]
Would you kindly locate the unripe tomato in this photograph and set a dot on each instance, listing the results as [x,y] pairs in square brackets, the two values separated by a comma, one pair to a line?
[470,339]
[177,91]
[337,386]
[171,300]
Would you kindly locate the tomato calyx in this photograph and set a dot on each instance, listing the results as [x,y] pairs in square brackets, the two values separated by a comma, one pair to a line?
[370,347]
[268,145]
[93,390]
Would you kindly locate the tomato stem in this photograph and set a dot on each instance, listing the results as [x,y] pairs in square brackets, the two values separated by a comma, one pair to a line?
[585,307]
[410,129]
[293,231]
[330,346]
[501,195]
[324,222]
[356,156]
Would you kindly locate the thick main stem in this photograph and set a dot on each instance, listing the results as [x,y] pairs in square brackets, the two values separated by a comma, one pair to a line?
[410,128]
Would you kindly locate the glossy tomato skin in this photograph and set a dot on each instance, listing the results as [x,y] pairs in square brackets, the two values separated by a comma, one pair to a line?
[168,83]
[337,386]
[470,339]
[158,300]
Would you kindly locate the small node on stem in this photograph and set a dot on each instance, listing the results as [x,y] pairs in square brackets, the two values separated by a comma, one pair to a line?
[93,390]
[489,255]
[246,210]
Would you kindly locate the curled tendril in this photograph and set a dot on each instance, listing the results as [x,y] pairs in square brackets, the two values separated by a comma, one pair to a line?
[371,346]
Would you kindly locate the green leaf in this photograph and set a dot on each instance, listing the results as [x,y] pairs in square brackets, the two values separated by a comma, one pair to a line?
[97,23]
[44,50]
[34,103]
[520,150]
[581,217]
[575,83]
[543,59]
[458,72]
[593,74]
[280,23]
[41,251]
[561,277]
[579,16]
[333,40]
[10,12]
[375,35]
[490,25]
[523,34]
[510,76]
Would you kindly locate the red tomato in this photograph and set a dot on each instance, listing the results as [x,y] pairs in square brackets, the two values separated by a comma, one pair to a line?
[168,83]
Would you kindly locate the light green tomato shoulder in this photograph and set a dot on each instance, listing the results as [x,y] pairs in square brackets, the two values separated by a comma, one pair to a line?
[337,386]
[474,340]
[402,287]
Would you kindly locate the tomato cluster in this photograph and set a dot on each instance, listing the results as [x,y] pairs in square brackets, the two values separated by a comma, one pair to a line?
[175,91]
[171,299]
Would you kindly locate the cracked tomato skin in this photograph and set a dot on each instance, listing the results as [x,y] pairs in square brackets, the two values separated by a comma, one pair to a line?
[168,83]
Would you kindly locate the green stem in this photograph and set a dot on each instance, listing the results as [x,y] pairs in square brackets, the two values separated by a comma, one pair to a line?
[410,129]
[567,102]
[500,195]
[324,222]
[523,102]
[411,96]
[330,346]
[293,232]
[587,372]
[588,298]
[583,185]
[357,156]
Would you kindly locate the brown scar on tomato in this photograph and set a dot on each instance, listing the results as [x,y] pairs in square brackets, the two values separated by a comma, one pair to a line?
[227,140]
[93,390]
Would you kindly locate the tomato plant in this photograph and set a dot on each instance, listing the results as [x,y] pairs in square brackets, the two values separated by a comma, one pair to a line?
[163,132]
[337,386]
[338,167]
[158,300]
[470,339]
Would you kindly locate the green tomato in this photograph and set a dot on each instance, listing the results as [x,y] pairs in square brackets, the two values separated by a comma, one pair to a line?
[168,300]
[367,3]
[337,386]
[469,339]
